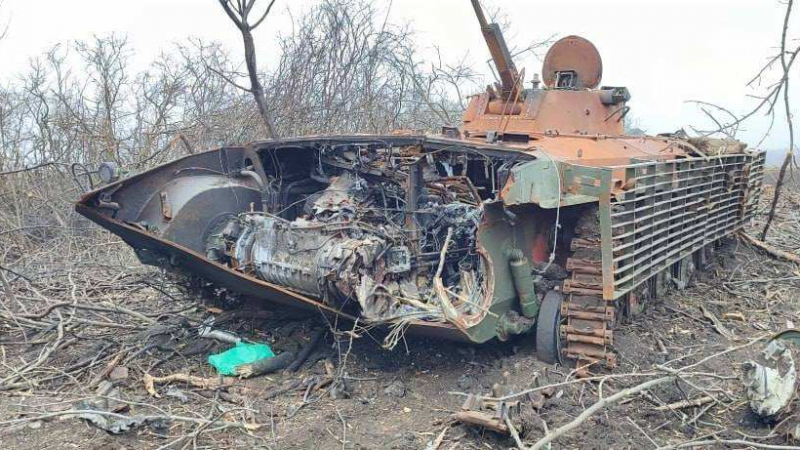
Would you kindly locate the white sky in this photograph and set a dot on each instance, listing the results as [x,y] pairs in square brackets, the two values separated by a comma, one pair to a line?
[665,52]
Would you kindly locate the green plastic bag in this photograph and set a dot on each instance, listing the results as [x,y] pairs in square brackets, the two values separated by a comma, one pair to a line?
[244,353]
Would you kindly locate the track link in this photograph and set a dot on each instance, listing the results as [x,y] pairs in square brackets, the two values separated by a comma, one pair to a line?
[587,319]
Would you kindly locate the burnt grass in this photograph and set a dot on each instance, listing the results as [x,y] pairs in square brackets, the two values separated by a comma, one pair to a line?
[398,399]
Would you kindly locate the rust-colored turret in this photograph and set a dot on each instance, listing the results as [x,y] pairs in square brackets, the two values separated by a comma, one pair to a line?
[570,102]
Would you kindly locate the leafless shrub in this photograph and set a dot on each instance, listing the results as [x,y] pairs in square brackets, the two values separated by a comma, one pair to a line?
[347,70]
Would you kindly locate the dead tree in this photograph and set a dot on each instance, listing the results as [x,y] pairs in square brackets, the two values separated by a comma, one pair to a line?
[239,12]
[785,66]
[777,91]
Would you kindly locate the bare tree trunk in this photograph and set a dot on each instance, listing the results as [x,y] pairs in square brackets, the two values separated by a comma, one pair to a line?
[238,13]
[790,155]
[777,194]
[255,85]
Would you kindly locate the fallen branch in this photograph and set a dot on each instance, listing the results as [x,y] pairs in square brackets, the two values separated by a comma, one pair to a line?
[286,387]
[599,405]
[306,351]
[7,287]
[778,253]
[266,365]
[110,308]
[110,367]
[718,354]
[565,383]
[440,438]
[78,412]
[514,433]
[685,404]
[150,382]
[716,323]
[8,382]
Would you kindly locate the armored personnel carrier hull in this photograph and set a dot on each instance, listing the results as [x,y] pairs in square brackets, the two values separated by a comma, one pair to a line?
[538,215]
[451,237]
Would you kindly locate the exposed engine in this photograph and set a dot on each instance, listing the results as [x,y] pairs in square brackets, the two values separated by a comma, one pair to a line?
[393,232]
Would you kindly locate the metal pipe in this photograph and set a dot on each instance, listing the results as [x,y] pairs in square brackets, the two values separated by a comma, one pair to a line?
[523,283]
[262,187]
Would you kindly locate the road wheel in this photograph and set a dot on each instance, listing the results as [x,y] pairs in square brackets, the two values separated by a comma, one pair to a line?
[703,257]
[548,329]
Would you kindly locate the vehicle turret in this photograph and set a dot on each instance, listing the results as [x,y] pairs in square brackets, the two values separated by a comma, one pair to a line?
[568,103]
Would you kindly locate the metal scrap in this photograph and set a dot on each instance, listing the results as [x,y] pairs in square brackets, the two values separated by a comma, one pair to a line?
[770,383]
[490,414]
[122,425]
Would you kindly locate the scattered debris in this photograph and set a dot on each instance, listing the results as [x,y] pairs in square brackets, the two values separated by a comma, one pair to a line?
[770,383]
[735,316]
[778,253]
[112,371]
[103,411]
[207,332]
[118,424]
[718,326]
[489,414]
[466,382]
[436,443]
[700,401]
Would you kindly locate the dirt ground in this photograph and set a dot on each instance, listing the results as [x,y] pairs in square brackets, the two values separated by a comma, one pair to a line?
[83,335]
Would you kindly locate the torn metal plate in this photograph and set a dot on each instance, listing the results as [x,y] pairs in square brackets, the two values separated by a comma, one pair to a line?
[770,383]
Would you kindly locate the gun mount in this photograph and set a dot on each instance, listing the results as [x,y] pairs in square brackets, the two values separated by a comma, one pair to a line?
[509,77]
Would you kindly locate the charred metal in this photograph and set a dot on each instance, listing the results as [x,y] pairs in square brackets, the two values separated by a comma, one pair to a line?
[387,231]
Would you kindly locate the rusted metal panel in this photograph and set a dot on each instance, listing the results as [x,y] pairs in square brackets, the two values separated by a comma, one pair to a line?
[562,112]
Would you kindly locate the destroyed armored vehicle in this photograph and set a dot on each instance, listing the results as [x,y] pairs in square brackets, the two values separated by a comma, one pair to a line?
[537,216]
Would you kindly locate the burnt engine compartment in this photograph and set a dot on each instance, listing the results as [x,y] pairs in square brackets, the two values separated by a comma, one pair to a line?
[388,231]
